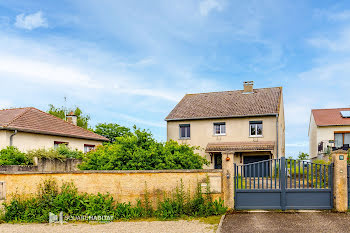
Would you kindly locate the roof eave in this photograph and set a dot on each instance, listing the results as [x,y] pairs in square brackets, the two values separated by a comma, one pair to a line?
[53,134]
[221,117]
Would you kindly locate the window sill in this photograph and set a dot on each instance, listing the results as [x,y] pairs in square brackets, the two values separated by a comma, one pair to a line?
[184,138]
[219,135]
[256,136]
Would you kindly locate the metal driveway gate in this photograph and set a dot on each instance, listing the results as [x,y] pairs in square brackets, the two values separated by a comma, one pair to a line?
[283,184]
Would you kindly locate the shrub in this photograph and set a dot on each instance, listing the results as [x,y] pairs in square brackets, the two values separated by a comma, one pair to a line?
[140,151]
[62,152]
[67,199]
[12,156]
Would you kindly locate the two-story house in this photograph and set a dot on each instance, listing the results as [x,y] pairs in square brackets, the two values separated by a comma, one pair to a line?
[248,123]
[329,129]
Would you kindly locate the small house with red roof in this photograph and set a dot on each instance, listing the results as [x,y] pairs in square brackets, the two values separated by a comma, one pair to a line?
[329,129]
[30,128]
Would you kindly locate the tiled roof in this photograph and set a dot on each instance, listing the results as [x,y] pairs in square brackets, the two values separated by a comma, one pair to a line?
[240,146]
[324,117]
[35,121]
[264,101]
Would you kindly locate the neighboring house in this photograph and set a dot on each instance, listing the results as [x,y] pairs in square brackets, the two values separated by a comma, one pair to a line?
[329,129]
[30,128]
[248,123]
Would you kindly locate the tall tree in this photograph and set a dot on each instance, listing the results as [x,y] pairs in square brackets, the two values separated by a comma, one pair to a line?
[82,119]
[111,131]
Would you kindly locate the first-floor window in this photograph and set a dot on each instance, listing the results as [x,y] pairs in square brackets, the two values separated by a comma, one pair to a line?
[57,143]
[185,131]
[341,139]
[255,128]
[88,148]
[220,128]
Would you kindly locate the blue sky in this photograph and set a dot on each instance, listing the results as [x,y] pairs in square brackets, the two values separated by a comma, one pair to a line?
[130,62]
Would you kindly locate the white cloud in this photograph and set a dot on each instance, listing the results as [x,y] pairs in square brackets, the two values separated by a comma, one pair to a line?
[206,6]
[31,21]
[340,43]
[151,92]
[43,72]
[141,121]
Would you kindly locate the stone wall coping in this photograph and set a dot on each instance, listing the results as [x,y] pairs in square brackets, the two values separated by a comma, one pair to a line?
[339,152]
[112,171]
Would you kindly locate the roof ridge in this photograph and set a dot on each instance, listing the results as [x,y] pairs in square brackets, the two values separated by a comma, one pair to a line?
[68,122]
[328,108]
[229,91]
[20,115]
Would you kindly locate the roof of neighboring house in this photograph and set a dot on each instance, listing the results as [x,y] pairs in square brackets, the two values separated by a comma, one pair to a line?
[240,146]
[328,117]
[33,120]
[264,101]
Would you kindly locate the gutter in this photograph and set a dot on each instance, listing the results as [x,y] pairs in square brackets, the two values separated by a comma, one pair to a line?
[221,117]
[11,137]
[53,134]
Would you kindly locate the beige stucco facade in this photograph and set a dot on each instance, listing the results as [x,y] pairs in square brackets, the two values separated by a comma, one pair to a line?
[237,130]
[318,134]
[29,141]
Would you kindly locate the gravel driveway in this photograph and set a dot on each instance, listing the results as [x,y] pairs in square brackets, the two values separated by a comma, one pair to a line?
[322,221]
[120,227]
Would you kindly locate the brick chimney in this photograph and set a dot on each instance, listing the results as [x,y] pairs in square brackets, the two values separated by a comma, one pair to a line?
[72,118]
[248,87]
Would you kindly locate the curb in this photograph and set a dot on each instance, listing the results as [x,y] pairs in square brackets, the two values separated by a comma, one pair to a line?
[220,224]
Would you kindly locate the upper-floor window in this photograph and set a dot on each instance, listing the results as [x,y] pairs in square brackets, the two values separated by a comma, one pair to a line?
[57,143]
[341,139]
[88,148]
[255,128]
[220,128]
[185,131]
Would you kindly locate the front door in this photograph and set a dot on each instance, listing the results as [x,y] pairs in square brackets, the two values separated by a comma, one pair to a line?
[262,170]
[217,161]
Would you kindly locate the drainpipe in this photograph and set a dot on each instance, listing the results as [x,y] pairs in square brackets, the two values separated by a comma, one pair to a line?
[11,137]
[277,134]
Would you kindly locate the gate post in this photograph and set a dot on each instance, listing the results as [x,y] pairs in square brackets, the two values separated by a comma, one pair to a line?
[227,176]
[282,178]
[340,184]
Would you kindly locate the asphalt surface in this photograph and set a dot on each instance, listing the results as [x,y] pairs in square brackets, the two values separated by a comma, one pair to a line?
[286,222]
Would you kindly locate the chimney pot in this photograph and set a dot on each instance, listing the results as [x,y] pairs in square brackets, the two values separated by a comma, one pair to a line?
[248,87]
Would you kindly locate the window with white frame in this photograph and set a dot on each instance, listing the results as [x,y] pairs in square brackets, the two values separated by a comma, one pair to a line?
[185,131]
[88,148]
[255,128]
[220,128]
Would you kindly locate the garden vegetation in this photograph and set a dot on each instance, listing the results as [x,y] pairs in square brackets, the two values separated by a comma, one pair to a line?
[67,199]
[138,150]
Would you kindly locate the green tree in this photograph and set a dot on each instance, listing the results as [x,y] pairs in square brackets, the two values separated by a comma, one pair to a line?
[82,120]
[303,156]
[111,131]
[140,151]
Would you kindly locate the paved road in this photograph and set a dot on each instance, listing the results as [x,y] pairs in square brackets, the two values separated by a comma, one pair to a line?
[180,226]
[286,222]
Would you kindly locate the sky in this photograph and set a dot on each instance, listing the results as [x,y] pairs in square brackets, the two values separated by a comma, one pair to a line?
[130,62]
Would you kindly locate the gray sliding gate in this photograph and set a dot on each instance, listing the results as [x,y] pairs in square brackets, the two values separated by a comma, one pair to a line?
[283,184]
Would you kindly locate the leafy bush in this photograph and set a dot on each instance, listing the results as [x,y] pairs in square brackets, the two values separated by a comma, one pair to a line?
[140,151]
[50,198]
[12,156]
[61,152]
